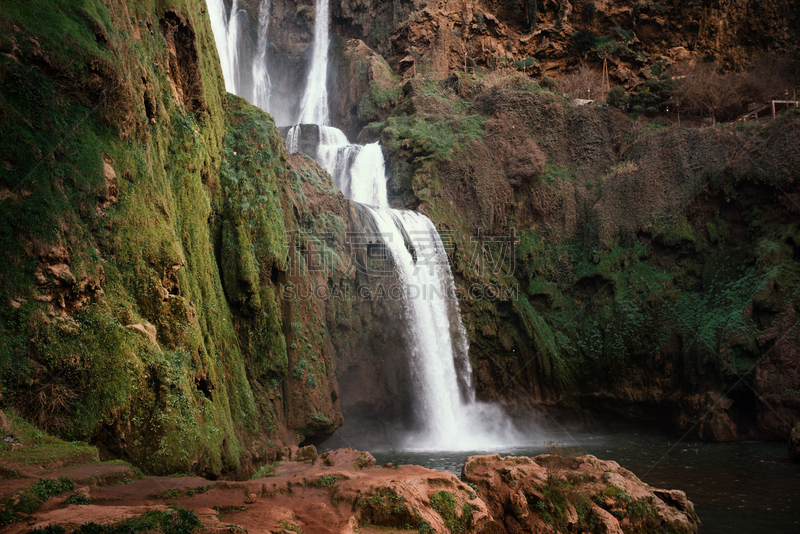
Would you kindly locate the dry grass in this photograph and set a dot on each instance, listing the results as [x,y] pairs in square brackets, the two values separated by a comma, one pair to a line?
[516,153]
[707,88]
[49,405]
[585,83]
[508,80]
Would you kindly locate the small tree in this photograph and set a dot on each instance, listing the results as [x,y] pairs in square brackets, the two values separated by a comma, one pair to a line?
[654,96]
[584,41]
[617,97]
[706,88]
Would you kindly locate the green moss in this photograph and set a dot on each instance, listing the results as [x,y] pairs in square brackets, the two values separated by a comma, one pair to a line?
[425,140]
[265,471]
[175,521]
[673,231]
[40,448]
[548,354]
[553,172]
[32,499]
[181,493]
[172,201]
[327,481]
[457,519]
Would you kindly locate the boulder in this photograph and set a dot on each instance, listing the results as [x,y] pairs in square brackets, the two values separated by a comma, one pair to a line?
[551,488]
[794,444]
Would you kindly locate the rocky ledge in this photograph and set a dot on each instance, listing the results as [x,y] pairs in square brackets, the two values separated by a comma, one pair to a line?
[343,491]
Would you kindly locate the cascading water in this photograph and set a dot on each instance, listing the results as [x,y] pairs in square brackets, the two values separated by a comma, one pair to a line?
[450,417]
[358,170]
[314,105]
[244,62]
[261,81]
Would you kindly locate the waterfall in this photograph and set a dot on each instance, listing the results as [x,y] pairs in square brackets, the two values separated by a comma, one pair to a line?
[261,81]
[225,28]
[358,170]
[450,417]
[243,59]
[314,105]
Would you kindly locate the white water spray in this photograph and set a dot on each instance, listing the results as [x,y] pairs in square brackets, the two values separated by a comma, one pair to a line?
[244,62]
[358,170]
[314,105]
[451,418]
[261,81]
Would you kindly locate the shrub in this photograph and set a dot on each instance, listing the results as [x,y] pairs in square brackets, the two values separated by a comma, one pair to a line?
[653,96]
[617,97]
[583,83]
[551,84]
[445,505]
[584,40]
[78,498]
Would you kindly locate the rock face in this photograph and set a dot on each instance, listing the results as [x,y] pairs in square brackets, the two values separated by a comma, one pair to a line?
[442,37]
[552,493]
[620,252]
[152,283]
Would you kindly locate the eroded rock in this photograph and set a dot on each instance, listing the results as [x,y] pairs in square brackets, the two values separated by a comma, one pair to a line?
[573,492]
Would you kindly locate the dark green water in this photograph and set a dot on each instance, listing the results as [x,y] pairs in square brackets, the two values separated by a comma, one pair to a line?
[742,488]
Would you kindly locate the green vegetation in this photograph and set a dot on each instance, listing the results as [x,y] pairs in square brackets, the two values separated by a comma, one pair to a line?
[177,521]
[40,448]
[79,499]
[427,140]
[327,481]
[386,508]
[654,96]
[97,177]
[31,499]
[288,526]
[141,221]
[446,506]
[584,40]
[182,493]
[557,496]
[265,471]
[225,510]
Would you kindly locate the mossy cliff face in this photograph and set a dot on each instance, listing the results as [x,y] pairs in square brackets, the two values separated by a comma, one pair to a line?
[144,223]
[632,271]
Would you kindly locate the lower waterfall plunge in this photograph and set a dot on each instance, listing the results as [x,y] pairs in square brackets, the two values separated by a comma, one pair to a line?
[451,417]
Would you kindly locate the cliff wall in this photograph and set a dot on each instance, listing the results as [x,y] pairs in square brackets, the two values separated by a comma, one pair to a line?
[146,233]
[610,266]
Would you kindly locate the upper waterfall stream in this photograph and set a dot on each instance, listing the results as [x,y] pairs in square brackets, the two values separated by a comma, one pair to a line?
[447,412]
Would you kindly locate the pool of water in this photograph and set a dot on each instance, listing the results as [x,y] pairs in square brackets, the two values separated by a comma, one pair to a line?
[745,488]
